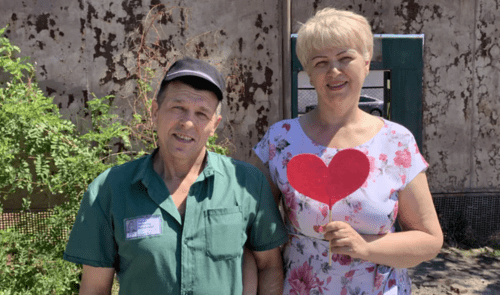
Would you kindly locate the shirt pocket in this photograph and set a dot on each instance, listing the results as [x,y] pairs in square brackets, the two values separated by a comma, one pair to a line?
[224,232]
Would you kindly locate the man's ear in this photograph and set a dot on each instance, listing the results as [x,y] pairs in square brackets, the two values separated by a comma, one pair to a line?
[154,111]
[216,124]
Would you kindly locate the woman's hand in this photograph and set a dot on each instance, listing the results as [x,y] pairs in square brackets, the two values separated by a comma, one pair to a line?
[345,240]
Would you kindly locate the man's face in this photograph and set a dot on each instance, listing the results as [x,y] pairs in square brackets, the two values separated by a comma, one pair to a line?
[185,120]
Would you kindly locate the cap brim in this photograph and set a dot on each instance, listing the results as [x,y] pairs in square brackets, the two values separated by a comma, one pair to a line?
[190,73]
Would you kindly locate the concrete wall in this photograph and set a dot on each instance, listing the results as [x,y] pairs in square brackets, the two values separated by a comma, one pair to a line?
[89,46]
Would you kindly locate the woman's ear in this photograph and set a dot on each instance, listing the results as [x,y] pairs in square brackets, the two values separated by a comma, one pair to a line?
[367,68]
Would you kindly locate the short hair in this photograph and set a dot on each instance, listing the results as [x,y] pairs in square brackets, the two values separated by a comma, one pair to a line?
[192,81]
[330,28]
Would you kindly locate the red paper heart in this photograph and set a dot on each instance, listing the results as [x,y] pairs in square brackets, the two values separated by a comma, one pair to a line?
[347,172]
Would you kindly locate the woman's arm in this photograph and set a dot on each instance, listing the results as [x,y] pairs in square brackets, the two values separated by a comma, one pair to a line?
[264,168]
[420,240]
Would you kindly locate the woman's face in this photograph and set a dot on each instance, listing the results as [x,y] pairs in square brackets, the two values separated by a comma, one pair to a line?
[337,74]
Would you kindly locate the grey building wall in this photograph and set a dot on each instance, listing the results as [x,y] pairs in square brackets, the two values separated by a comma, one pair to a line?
[89,46]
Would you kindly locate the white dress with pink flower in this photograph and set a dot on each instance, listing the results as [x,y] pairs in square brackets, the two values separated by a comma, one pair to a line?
[372,209]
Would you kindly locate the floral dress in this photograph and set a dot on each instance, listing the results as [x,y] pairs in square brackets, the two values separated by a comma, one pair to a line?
[372,209]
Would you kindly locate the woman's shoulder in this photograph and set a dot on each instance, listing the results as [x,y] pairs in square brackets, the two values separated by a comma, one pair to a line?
[395,128]
[286,122]
[284,126]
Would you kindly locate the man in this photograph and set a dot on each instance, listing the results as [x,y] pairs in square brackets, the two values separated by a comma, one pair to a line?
[176,221]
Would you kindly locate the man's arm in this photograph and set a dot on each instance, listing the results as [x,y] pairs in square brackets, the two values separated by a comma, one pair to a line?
[96,280]
[270,267]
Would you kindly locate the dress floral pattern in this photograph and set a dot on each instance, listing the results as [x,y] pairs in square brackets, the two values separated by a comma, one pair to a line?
[394,161]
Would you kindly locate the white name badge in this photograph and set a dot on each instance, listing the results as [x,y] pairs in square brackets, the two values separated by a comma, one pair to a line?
[143,226]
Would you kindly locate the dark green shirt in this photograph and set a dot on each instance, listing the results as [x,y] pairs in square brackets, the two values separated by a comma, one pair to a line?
[127,220]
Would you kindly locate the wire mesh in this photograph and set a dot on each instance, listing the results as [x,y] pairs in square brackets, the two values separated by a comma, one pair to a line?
[469,217]
[28,222]
[306,98]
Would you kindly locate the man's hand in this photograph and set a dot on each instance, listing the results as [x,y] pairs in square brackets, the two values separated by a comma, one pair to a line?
[96,280]
[270,267]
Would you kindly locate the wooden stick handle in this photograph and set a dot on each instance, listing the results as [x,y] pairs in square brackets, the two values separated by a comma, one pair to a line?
[329,246]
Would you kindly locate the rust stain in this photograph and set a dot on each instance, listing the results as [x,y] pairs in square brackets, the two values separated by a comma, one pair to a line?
[91,13]
[154,3]
[42,22]
[164,46]
[71,99]
[44,73]
[408,10]
[109,16]
[82,26]
[40,44]
[50,91]
[262,122]
[316,4]
[258,22]
[485,42]
[244,86]
[201,50]
[132,20]
[103,48]
[240,44]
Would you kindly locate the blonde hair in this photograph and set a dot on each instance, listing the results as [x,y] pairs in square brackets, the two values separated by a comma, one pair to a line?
[334,28]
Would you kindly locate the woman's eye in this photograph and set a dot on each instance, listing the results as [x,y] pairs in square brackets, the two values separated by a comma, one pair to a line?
[346,59]
[320,63]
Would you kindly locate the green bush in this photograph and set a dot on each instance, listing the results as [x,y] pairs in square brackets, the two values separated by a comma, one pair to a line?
[42,153]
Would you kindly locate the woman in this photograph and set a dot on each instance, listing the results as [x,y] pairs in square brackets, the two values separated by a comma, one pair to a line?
[368,257]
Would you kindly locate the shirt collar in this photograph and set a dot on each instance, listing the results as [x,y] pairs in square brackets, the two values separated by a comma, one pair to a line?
[146,167]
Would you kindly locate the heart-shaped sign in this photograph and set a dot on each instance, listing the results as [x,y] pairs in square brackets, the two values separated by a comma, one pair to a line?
[347,172]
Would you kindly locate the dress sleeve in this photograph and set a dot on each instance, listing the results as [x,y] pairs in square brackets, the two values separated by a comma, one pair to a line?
[262,148]
[267,230]
[417,164]
[91,241]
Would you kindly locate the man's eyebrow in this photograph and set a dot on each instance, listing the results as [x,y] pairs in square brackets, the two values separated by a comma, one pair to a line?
[182,102]
[205,109]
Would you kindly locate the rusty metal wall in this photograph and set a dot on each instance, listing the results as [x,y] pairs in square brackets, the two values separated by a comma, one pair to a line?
[88,46]
[461,94]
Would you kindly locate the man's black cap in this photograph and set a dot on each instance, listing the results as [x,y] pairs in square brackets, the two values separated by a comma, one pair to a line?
[197,68]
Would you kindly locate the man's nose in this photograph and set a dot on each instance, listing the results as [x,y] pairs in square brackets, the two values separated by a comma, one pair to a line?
[187,120]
